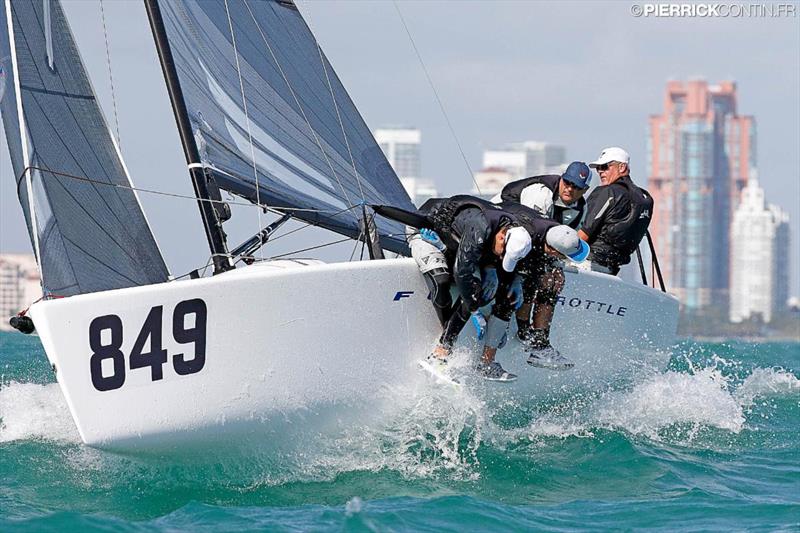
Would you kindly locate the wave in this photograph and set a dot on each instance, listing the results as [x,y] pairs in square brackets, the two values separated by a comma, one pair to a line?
[423,430]
[32,411]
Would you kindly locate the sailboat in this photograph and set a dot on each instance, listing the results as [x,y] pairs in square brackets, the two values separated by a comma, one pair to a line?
[144,359]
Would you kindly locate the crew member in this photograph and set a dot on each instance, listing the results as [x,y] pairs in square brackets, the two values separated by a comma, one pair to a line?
[473,239]
[559,198]
[542,280]
[551,195]
[617,213]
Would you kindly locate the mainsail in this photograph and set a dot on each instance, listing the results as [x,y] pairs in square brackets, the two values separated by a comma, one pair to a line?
[86,223]
[271,119]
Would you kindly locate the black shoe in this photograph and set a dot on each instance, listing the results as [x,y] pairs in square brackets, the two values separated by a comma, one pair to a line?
[494,372]
[524,333]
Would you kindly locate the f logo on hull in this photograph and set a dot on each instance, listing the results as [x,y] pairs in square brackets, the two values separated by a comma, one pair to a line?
[402,294]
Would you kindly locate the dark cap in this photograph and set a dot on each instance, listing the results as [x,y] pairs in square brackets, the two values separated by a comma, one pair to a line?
[578,174]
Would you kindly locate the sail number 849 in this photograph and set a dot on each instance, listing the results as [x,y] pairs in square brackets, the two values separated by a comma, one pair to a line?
[156,357]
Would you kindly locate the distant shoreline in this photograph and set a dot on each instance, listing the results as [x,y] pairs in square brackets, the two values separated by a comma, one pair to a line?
[754,340]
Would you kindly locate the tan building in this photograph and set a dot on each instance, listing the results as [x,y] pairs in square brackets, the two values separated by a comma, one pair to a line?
[19,285]
[490,181]
[700,152]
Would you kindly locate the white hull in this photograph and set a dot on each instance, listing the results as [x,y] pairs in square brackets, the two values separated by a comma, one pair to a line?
[284,338]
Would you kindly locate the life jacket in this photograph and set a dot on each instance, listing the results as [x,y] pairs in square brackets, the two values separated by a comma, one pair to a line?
[442,212]
[537,226]
[513,191]
[571,216]
[619,237]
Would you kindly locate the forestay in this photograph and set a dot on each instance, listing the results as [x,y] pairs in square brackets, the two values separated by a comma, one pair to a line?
[84,220]
[271,118]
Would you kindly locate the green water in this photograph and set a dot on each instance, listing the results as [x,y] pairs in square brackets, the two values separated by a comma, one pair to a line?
[712,443]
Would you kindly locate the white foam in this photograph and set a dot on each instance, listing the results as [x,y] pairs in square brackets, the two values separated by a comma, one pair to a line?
[701,398]
[32,411]
[766,382]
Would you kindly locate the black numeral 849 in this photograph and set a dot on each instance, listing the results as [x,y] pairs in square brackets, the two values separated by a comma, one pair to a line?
[157,355]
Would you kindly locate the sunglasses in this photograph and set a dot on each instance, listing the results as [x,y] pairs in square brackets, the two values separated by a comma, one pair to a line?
[601,168]
[569,185]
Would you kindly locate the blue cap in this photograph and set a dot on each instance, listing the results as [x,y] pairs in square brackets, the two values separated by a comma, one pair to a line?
[578,174]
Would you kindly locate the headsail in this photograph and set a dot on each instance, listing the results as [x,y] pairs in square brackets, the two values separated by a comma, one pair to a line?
[271,118]
[87,226]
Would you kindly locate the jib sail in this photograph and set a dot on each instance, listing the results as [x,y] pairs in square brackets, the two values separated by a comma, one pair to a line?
[85,222]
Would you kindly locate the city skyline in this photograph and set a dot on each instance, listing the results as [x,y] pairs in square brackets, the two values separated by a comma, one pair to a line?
[585,94]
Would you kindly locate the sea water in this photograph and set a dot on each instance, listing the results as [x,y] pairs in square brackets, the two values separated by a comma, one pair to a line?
[710,443]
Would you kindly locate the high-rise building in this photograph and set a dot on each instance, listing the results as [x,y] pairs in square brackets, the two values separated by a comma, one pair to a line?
[759,257]
[401,146]
[419,190]
[700,152]
[528,158]
[19,285]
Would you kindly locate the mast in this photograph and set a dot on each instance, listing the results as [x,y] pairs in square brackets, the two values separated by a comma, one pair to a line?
[211,223]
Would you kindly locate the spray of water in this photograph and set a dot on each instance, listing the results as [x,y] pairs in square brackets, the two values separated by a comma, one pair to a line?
[422,429]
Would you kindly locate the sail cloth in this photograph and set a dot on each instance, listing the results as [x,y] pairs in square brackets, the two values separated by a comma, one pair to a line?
[91,236]
[288,135]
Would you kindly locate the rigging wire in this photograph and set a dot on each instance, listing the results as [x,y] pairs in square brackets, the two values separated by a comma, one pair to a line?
[297,101]
[338,114]
[438,99]
[311,248]
[353,253]
[277,209]
[110,75]
[247,120]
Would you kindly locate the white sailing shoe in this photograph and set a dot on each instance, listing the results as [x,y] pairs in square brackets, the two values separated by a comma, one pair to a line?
[438,364]
[550,358]
[494,372]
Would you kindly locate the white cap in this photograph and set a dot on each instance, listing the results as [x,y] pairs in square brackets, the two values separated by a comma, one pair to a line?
[613,153]
[566,240]
[518,244]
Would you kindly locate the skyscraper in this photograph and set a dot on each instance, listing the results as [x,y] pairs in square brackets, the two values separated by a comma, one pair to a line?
[700,152]
[759,257]
[401,146]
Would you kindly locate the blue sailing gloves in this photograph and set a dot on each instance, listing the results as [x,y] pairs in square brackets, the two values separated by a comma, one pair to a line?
[479,321]
[515,292]
[489,283]
[428,235]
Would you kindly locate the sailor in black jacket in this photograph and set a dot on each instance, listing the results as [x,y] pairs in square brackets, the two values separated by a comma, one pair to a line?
[553,196]
[559,198]
[542,281]
[478,242]
[617,213]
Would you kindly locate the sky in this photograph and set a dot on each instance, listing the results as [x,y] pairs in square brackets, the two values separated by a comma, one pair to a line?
[582,74]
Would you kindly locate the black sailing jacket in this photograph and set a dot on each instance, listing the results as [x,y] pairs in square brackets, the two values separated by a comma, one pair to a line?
[467,226]
[571,216]
[617,217]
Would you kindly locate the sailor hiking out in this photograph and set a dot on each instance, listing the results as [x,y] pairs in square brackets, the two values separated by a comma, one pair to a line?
[471,243]
[617,213]
[541,278]
[559,198]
